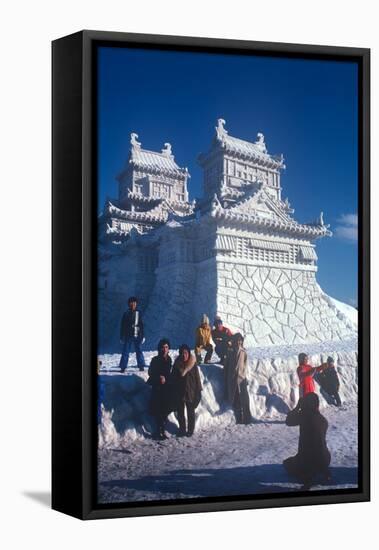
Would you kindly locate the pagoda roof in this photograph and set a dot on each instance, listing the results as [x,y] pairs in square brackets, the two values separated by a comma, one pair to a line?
[255,151]
[154,215]
[263,210]
[158,214]
[246,148]
[153,161]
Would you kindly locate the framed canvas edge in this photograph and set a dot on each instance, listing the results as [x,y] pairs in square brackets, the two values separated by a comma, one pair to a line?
[90,510]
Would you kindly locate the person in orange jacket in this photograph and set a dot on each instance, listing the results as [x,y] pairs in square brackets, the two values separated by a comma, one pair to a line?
[306,373]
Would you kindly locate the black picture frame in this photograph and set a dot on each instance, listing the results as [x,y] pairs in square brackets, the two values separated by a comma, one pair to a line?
[74,202]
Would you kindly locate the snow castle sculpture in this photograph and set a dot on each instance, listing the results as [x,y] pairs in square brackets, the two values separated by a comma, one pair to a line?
[236,252]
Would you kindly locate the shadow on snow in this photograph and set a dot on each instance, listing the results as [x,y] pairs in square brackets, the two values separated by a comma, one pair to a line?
[261,479]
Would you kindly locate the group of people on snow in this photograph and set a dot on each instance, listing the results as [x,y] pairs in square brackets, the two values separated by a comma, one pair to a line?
[174,387]
[177,387]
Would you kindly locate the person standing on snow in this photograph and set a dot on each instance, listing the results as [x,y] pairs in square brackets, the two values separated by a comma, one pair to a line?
[186,387]
[329,381]
[236,380]
[159,379]
[306,373]
[203,340]
[313,457]
[222,338]
[131,335]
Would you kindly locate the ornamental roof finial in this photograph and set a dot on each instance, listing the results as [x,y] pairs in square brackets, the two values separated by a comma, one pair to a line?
[320,221]
[220,130]
[260,143]
[167,150]
[215,204]
[133,140]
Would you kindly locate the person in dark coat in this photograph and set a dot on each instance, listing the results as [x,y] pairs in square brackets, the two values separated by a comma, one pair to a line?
[222,338]
[313,457]
[329,381]
[159,380]
[186,388]
[132,335]
[236,380]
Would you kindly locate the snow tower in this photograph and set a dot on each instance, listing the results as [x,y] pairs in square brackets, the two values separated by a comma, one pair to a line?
[238,252]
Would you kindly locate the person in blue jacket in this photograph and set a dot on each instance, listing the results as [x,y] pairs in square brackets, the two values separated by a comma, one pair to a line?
[132,335]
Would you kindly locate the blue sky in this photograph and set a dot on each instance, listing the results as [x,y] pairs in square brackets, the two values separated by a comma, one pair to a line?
[307,110]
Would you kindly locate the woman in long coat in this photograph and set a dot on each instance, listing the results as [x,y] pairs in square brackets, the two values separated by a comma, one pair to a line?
[159,379]
[313,457]
[235,377]
[186,387]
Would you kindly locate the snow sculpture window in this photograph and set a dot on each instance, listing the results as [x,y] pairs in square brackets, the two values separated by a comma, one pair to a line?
[307,254]
[255,250]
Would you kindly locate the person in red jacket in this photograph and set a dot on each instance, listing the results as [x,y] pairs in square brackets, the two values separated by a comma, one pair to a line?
[222,338]
[306,373]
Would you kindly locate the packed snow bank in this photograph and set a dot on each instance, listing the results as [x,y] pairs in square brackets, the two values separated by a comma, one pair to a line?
[349,312]
[345,313]
[273,390]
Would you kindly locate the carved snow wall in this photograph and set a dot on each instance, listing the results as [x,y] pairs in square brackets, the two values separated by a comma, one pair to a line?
[185,275]
[274,306]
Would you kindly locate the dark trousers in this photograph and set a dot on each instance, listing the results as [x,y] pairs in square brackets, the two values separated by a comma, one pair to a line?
[208,355]
[128,344]
[221,349]
[333,393]
[160,420]
[337,398]
[241,405]
[190,417]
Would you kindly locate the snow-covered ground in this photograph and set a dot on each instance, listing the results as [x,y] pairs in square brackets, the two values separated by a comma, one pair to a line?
[223,458]
[230,460]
